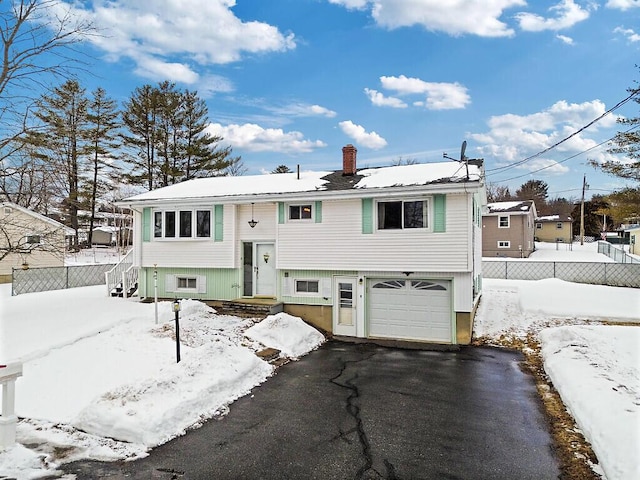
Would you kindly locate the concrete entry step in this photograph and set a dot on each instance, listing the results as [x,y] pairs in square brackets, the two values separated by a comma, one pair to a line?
[250,307]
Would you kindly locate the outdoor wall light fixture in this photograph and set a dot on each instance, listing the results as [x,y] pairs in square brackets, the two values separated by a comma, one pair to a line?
[266,257]
[252,222]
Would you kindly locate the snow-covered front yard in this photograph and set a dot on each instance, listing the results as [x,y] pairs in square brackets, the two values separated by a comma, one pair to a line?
[98,368]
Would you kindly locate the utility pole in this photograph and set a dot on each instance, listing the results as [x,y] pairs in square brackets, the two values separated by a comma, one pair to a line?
[584,187]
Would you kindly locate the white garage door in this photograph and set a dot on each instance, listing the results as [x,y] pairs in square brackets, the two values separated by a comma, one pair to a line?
[410,309]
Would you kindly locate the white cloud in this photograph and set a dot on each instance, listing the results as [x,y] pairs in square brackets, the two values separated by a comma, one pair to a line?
[565,39]
[514,137]
[379,100]
[623,4]
[166,32]
[568,13]
[361,136]
[454,18]
[631,35]
[302,110]
[255,138]
[439,96]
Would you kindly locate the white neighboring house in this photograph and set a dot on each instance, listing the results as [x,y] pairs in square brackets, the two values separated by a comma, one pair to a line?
[29,239]
[391,252]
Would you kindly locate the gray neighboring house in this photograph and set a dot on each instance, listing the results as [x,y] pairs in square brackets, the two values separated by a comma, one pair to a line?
[508,229]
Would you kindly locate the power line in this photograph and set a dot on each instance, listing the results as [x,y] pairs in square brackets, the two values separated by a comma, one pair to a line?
[615,107]
[569,158]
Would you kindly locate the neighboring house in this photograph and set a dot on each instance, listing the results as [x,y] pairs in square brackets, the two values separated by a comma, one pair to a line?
[634,239]
[390,252]
[28,239]
[507,229]
[554,228]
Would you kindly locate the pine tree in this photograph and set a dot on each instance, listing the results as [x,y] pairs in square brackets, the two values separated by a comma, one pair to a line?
[202,158]
[168,139]
[139,118]
[60,142]
[102,144]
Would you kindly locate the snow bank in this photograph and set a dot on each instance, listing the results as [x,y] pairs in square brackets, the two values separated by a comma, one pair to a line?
[291,335]
[596,370]
[155,410]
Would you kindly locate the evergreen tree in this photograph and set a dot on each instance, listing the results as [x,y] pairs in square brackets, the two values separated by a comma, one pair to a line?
[535,190]
[167,134]
[139,117]
[281,169]
[102,127]
[60,142]
[202,158]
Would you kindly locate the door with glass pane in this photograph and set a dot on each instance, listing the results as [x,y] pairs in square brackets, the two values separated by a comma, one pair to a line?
[344,306]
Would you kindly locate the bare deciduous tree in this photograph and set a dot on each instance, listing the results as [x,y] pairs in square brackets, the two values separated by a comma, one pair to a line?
[38,39]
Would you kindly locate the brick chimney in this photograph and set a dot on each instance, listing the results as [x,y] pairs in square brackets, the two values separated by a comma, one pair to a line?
[349,160]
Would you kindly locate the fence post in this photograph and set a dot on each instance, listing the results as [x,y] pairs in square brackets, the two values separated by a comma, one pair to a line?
[66,282]
[605,274]
[506,270]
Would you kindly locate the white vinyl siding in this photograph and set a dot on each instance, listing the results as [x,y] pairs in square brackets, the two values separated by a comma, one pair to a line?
[192,252]
[339,242]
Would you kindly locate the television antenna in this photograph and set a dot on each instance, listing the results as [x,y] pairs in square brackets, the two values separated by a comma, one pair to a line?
[463,158]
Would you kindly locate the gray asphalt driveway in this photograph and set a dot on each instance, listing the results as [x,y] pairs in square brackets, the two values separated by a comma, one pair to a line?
[360,411]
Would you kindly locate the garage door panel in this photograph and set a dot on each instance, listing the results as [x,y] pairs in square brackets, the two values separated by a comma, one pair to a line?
[410,309]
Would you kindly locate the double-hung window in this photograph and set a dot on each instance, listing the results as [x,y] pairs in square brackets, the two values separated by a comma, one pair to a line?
[503,221]
[182,224]
[394,215]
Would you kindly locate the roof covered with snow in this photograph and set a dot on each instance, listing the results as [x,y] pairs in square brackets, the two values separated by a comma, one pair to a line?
[554,218]
[518,206]
[309,181]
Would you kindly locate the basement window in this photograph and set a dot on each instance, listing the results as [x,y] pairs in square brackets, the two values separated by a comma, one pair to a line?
[504,244]
[307,286]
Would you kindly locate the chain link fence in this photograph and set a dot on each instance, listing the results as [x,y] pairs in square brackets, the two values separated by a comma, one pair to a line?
[613,274]
[616,253]
[43,279]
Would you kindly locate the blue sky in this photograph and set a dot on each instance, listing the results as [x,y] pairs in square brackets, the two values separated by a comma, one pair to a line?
[293,81]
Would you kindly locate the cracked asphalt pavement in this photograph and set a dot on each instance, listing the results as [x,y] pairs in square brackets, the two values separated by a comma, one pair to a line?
[361,411]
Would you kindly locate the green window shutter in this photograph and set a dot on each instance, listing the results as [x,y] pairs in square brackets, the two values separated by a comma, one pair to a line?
[318,209]
[146,224]
[218,212]
[367,215]
[439,213]
[280,212]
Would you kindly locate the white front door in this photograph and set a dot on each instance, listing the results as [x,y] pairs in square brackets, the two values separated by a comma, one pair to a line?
[265,269]
[344,306]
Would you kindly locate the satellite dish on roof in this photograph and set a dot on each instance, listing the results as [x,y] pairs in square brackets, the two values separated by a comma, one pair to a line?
[462,157]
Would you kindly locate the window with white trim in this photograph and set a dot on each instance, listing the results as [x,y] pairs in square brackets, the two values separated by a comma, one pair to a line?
[33,239]
[188,223]
[300,212]
[559,225]
[307,286]
[503,221]
[504,244]
[186,283]
[402,214]
[539,225]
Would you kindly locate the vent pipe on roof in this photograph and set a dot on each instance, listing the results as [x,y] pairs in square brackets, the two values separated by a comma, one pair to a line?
[298,170]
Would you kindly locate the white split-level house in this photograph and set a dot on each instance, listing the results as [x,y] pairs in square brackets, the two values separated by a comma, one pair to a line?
[392,253]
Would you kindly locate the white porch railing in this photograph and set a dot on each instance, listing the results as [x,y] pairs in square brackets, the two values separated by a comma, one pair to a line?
[122,278]
[8,420]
